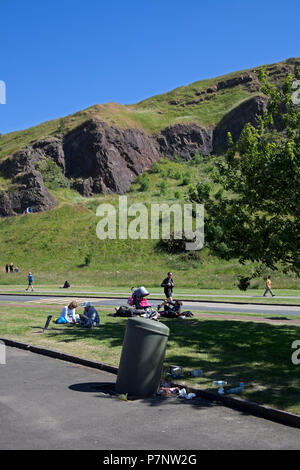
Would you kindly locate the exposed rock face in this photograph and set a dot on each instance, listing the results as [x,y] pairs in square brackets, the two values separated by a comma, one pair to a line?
[247,79]
[30,192]
[107,159]
[185,140]
[235,120]
[52,148]
[99,158]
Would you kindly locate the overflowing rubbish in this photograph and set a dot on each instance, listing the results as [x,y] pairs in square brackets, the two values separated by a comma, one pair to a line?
[239,389]
[123,396]
[164,391]
[183,394]
[175,372]
[196,373]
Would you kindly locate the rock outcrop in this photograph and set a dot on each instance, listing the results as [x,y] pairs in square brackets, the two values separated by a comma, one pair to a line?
[29,191]
[235,120]
[185,140]
[107,159]
[95,157]
[99,158]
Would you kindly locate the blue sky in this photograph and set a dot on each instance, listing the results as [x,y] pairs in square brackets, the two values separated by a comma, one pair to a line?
[58,57]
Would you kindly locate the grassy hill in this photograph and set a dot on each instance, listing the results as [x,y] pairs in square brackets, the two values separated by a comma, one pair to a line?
[55,244]
[197,103]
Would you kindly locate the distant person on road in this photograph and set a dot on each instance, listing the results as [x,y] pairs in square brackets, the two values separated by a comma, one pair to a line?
[90,316]
[68,314]
[30,281]
[168,284]
[268,287]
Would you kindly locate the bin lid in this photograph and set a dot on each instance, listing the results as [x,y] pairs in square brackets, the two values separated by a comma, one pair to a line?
[150,325]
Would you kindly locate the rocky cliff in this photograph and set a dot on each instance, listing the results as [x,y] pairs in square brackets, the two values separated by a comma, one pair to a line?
[98,157]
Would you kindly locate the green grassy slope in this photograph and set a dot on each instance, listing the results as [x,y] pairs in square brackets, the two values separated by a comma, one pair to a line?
[54,245]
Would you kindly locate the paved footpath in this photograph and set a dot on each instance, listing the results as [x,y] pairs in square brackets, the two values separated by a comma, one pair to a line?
[46,403]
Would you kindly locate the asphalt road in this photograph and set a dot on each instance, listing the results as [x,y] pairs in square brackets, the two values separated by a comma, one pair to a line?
[197,306]
[46,403]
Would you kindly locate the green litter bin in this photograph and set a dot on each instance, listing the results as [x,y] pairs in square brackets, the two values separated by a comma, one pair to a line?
[142,357]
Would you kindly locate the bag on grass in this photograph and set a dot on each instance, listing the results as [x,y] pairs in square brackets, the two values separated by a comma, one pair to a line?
[60,320]
[188,313]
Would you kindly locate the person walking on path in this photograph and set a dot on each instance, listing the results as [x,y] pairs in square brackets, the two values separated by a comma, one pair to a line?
[268,287]
[6,268]
[30,281]
[11,267]
[168,284]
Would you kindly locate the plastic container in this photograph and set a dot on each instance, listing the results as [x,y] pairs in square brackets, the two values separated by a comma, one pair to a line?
[142,357]
[239,389]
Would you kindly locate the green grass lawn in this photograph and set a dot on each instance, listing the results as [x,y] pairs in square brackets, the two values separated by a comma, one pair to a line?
[259,354]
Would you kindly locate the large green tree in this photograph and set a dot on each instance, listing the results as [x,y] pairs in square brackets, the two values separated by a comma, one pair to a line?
[256,216]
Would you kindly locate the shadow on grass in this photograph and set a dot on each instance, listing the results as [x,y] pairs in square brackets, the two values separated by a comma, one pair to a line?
[258,354]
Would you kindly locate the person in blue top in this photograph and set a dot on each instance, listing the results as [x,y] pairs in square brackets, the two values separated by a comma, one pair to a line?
[90,316]
[30,281]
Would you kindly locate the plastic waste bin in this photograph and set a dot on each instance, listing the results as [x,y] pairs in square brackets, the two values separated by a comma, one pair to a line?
[142,357]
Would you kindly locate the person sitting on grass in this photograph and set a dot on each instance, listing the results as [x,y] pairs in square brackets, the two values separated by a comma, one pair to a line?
[68,314]
[66,285]
[90,316]
[171,309]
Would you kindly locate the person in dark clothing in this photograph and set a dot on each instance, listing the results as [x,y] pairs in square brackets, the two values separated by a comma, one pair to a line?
[171,309]
[6,268]
[168,284]
[11,267]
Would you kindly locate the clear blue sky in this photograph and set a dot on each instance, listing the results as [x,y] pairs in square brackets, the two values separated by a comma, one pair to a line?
[58,57]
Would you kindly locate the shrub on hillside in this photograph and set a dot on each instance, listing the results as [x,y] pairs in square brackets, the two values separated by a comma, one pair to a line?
[52,174]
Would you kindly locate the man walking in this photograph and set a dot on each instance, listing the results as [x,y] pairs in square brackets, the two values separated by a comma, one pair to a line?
[168,285]
[268,287]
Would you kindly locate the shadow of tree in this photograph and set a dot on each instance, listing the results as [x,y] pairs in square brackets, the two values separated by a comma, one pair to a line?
[255,353]
[259,354]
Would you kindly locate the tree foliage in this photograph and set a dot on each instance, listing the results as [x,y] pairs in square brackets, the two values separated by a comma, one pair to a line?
[256,216]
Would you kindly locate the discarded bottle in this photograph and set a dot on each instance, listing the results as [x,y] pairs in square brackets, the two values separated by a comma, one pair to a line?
[219,382]
[196,373]
[239,389]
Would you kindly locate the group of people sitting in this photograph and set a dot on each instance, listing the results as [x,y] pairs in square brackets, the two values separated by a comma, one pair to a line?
[171,309]
[88,319]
